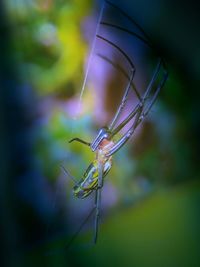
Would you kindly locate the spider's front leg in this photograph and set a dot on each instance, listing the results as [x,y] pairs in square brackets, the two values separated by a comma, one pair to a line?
[80,141]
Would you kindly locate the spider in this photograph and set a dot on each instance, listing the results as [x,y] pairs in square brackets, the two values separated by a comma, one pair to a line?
[103,144]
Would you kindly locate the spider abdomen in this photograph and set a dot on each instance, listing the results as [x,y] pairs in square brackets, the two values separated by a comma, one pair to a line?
[89,182]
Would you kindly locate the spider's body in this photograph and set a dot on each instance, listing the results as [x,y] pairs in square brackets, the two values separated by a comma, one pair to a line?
[89,182]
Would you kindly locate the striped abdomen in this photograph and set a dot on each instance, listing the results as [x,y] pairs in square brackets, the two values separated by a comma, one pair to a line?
[89,182]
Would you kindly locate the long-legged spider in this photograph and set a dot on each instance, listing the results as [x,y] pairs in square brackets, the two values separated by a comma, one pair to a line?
[103,144]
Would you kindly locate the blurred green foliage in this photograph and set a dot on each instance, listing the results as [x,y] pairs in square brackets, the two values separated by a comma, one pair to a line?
[48,42]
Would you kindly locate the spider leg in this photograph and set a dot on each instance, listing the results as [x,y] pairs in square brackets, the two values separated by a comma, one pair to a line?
[79,229]
[125,121]
[140,111]
[105,131]
[127,31]
[130,19]
[145,97]
[161,84]
[100,176]
[121,51]
[123,102]
[98,201]
[155,75]
[121,70]
[128,134]
[69,175]
[79,140]
[97,207]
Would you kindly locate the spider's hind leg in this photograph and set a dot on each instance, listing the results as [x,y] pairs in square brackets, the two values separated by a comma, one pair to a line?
[98,201]
[97,213]
[69,175]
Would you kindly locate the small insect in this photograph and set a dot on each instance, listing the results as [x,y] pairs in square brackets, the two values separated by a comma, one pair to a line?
[104,144]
